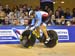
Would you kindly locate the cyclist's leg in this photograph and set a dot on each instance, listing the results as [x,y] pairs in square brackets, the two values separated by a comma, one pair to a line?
[44,29]
[37,31]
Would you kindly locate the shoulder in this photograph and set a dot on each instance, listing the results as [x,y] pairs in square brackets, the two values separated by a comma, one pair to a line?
[37,13]
[43,12]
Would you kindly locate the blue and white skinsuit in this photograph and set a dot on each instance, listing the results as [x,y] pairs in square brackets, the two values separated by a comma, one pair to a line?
[37,21]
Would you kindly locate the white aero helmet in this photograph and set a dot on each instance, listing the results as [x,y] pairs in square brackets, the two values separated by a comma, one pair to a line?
[31,12]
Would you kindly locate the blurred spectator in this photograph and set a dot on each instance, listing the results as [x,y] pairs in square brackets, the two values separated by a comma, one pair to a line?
[57,14]
[16,12]
[26,13]
[58,18]
[21,18]
[7,10]
[26,21]
[46,8]
[2,14]
[61,11]
[58,21]
[50,12]
[29,8]
[73,21]
[68,23]
[19,12]
[67,14]
[17,7]
[25,8]
[37,8]
[15,22]
[50,15]
[11,15]
[53,17]
[1,21]
[63,22]
[53,20]
[1,7]
[6,21]
[73,12]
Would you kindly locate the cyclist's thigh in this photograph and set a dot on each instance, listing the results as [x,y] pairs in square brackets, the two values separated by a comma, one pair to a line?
[38,29]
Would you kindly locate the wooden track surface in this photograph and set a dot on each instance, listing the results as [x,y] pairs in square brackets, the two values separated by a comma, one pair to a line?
[61,49]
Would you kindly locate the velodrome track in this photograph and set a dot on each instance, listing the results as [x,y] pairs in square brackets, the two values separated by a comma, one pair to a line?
[61,49]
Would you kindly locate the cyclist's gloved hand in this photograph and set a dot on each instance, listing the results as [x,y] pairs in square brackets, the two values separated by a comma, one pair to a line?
[27,27]
[32,28]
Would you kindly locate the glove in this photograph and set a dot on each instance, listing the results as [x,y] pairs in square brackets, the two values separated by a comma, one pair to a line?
[27,27]
[32,28]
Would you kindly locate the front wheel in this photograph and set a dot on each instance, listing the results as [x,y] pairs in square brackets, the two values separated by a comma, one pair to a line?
[52,34]
[28,39]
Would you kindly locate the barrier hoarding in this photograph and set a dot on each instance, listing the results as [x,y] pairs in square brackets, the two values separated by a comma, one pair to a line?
[11,34]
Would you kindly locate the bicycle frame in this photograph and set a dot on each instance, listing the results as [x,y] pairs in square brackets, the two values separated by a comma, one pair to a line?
[36,33]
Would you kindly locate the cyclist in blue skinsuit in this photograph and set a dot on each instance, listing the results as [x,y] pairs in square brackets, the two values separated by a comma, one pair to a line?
[38,22]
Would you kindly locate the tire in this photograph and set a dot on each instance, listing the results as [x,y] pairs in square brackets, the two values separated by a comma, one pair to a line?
[53,35]
[26,41]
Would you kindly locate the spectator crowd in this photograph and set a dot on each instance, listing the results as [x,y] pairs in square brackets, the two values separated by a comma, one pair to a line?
[19,15]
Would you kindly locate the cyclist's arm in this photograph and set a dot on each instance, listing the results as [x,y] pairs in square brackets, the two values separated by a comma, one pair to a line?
[38,19]
[33,21]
